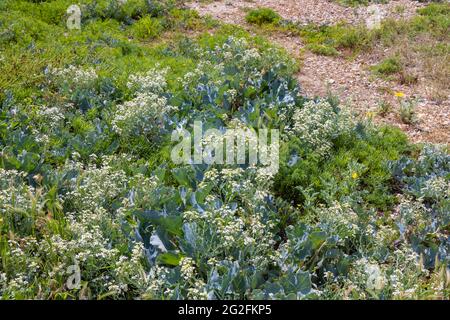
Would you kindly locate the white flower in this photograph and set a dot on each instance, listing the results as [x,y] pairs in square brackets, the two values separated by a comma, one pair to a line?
[75,75]
[187,268]
[317,123]
[142,115]
[153,81]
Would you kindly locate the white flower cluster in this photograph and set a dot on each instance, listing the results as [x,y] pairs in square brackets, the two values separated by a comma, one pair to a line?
[14,193]
[187,268]
[192,78]
[51,116]
[95,185]
[436,188]
[198,291]
[89,238]
[158,283]
[250,55]
[383,236]
[130,271]
[340,219]
[89,244]
[399,277]
[153,81]
[412,213]
[252,183]
[237,52]
[238,49]
[237,226]
[74,75]
[24,266]
[146,112]
[195,286]
[405,272]
[318,123]
[142,115]
[3,281]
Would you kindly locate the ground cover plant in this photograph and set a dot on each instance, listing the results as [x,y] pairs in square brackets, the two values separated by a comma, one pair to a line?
[93,207]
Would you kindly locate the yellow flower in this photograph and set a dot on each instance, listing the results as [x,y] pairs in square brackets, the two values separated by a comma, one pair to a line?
[355,175]
[399,94]
[370,114]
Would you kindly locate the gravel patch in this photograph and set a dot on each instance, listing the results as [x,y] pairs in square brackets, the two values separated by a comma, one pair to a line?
[305,11]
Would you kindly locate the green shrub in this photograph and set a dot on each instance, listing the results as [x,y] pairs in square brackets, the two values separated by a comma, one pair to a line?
[187,19]
[432,20]
[407,111]
[146,28]
[262,16]
[322,49]
[341,36]
[351,37]
[388,66]
[355,169]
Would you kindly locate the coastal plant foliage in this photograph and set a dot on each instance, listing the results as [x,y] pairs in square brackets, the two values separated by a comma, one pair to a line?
[88,188]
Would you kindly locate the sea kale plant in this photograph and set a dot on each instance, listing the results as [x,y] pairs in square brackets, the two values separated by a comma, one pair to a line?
[93,207]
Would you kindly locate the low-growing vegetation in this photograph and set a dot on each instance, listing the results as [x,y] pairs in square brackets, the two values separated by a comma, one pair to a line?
[407,111]
[388,67]
[262,16]
[88,186]
[432,20]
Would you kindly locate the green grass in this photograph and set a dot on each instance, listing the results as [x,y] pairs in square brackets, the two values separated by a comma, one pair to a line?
[147,28]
